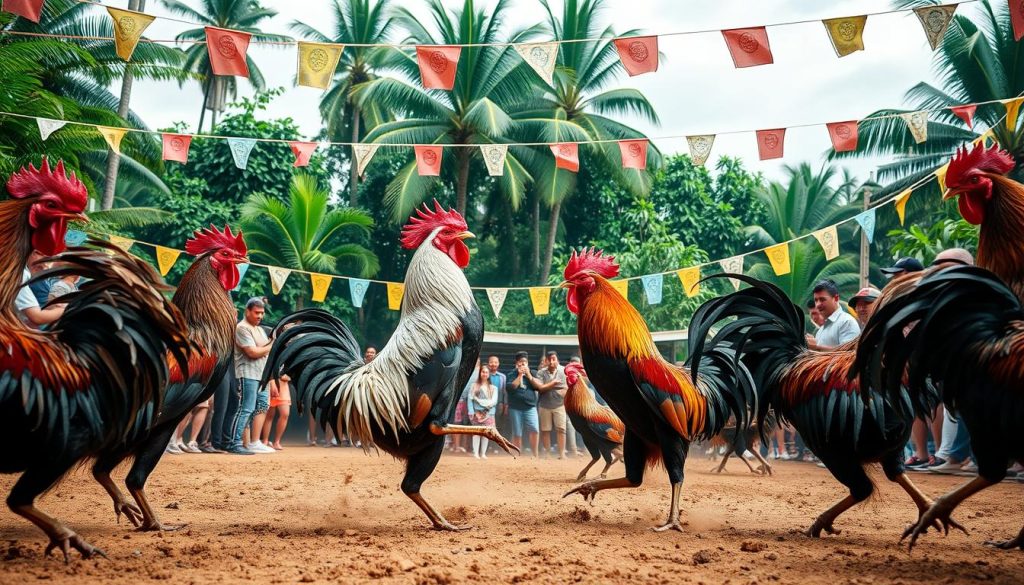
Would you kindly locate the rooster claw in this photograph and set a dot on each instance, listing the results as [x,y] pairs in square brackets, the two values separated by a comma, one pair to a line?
[587,490]
[670,525]
[508,446]
[72,540]
[816,529]
[449,527]
[130,511]
[937,516]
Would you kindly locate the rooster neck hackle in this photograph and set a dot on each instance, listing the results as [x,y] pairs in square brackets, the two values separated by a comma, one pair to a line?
[206,306]
[14,219]
[1000,247]
[609,325]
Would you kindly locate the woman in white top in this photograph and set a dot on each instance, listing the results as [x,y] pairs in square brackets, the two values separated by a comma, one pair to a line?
[482,403]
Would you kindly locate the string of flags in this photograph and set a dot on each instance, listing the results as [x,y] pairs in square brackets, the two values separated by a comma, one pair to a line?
[316,62]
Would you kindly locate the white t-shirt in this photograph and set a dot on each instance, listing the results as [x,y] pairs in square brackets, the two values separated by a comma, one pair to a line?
[25,299]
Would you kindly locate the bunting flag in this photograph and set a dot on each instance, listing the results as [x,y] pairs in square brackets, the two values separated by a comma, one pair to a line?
[1012,112]
[540,297]
[396,290]
[917,123]
[497,298]
[690,278]
[700,148]
[778,255]
[940,176]
[241,148]
[317,62]
[770,143]
[320,282]
[176,147]
[1017,19]
[428,160]
[277,278]
[363,154]
[846,34]
[653,287]
[128,29]
[165,259]
[438,64]
[357,288]
[843,135]
[113,137]
[30,9]
[901,204]
[567,156]
[242,269]
[935,21]
[123,243]
[494,157]
[75,237]
[303,151]
[829,240]
[541,57]
[227,51]
[748,46]
[733,265]
[639,55]
[48,127]
[965,113]
[622,286]
[866,219]
[634,154]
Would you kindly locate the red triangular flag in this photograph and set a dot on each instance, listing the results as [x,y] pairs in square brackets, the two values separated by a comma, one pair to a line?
[1017,18]
[769,143]
[748,46]
[176,147]
[302,151]
[634,154]
[639,54]
[227,51]
[965,113]
[437,65]
[844,135]
[428,160]
[567,156]
[30,9]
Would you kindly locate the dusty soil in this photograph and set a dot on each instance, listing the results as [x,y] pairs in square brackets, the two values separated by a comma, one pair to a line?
[315,515]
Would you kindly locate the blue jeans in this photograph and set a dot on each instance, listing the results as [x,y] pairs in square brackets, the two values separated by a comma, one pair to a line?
[245,395]
[219,436]
[524,420]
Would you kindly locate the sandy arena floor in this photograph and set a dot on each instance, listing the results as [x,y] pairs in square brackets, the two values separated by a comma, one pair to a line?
[315,515]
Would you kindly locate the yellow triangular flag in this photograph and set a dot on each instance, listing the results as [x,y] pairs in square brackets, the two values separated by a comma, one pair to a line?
[541,299]
[1012,111]
[940,175]
[123,243]
[690,277]
[778,255]
[113,137]
[622,286]
[396,290]
[829,240]
[321,282]
[901,204]
[846,33]
[165,259]
[317,62]
[128,29]
[277,277]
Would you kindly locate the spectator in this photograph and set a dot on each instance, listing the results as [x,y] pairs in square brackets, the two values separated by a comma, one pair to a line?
[551,405]
[64,285]
[815,314]
[369,354]
[904,265]
[863,303]
[839,326]
[521,390]
[251,349]
[483,398]
[281,403]
[40,288]
[28,306]
[462,414]
[251,435]
[498,380]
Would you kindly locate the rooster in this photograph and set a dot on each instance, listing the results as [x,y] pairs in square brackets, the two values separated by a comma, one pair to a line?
[202,297]
[602,431]
[664,407]
[94,377]
[403,399]
[740,442]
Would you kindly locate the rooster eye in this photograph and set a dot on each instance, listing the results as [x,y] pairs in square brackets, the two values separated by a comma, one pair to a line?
[975,179]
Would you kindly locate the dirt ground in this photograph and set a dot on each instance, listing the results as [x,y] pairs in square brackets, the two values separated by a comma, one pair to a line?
[316,515]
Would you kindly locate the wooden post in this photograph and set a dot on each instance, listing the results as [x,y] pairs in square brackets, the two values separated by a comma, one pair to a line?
[865,246]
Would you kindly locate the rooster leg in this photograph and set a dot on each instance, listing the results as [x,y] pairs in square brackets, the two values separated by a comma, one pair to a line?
[21,502]
[1009,544]
[923,503]
[583,474]
[673,512]
[145,462]
[101,472]
[589,489]
[824,522]
[435,517]
[608,462]
[743,458]
[721,466]
[941,509]
[766,468]
[489,432]
[418,468]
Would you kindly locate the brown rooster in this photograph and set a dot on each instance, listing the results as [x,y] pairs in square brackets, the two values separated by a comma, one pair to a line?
[602,431]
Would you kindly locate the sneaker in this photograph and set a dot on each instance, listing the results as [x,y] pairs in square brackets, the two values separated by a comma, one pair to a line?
[946,467]
[922,465]
[191,447]
[913,461]
[173,448]
[239,451]
[263,448]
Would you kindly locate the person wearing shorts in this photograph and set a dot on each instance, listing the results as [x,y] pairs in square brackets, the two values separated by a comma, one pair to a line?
[551,386]
[522,403]
[280,403]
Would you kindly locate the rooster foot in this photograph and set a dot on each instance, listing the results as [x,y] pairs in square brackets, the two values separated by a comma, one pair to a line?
[446,526]
[508,446]
[65,542]
[158,526]
[582,477]
[936,516]
[602,476]
[820,525]
[938,524]
[587,490]
[1008,544]
[716,469]
[130,511]
[670,525]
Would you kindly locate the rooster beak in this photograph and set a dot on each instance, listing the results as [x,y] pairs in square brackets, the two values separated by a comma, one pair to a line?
[564,284]
[79,217]
[948,194]
[466,235]
[242,260]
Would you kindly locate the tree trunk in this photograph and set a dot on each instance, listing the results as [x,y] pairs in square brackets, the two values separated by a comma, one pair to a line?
[206,100]
[353,172]
[510,235]
[549,248]
[113,158]
[535,238]
[462,182]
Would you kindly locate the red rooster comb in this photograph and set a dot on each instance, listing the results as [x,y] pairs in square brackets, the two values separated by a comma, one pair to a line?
[990,160]
[427,220]
[591,259]
[211,238]
[31,181]
[573,371]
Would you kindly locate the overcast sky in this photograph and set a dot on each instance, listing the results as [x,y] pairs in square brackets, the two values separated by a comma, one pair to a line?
[696,90]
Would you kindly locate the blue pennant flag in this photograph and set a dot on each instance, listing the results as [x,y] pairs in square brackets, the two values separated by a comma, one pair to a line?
[358,286]
[653,287]
[75,237]
[240,150]
[242,269]
[867,223]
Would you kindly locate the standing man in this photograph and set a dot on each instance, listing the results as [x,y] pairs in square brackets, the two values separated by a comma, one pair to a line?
[903,266]
[251,349]
[839,326]
[863,303]
[551,406]
[522,403]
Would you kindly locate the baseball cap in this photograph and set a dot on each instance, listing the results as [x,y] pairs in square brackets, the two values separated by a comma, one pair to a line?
[868,293]
[905,264]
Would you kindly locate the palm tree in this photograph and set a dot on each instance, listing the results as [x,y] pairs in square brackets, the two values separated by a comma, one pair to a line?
[488,80]
[306,234]
[807,267]
[240,15]
[356,22]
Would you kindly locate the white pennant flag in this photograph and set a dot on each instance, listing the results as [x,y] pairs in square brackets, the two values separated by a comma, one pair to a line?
[700,148]
[917,123]
[277,278]
[541,57]
[497,298]
[733,265]
[48,126]
[363,154]
[494,158]
[241,148]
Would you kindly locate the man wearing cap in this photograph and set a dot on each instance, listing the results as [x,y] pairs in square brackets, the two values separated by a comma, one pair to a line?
[863,303]
[839,326]
[904,265]
[251,349]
